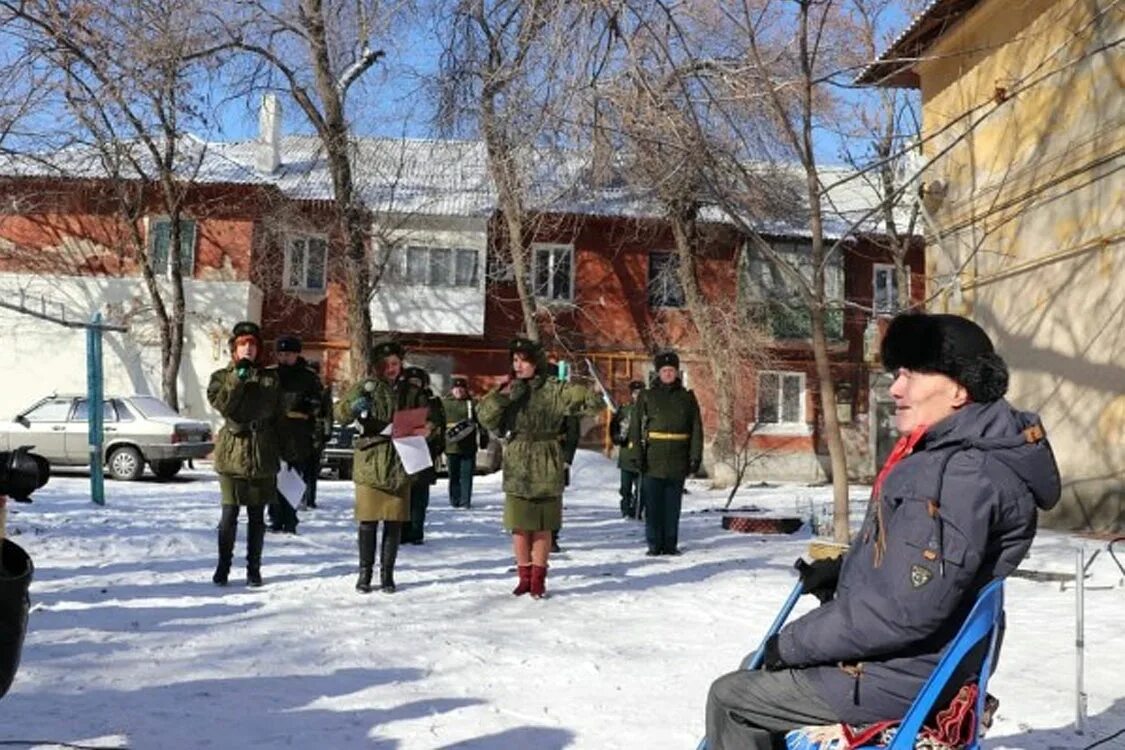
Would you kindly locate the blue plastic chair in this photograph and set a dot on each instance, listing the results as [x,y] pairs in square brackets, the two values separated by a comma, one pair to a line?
[983,622]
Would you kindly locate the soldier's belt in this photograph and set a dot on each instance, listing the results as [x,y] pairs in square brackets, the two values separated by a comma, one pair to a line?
[676,436]
[535,437]
[297,415]
[241,428]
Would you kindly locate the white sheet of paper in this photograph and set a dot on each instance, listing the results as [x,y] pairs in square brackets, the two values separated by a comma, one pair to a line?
[290,485]
[414,452]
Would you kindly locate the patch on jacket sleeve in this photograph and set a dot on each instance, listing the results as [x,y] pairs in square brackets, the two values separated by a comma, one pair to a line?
[920,576]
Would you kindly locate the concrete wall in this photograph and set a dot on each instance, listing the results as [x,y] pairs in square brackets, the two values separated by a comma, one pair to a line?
[1028,239]
[42,357]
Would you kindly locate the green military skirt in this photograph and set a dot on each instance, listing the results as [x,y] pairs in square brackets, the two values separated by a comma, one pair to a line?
[532,513]
[249,492]
[373,504]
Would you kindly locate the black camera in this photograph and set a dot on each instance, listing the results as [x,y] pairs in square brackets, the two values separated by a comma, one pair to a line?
[22,472]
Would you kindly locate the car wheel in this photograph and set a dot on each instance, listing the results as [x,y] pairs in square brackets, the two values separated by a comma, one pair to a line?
[167,468]
[126,463]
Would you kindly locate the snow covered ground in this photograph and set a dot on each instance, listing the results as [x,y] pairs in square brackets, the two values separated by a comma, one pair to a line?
[130,645]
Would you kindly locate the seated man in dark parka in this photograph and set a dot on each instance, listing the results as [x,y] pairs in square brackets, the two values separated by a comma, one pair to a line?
[954,508]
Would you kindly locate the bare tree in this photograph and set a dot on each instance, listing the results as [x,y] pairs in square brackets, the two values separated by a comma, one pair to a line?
[129,74]
[316,51]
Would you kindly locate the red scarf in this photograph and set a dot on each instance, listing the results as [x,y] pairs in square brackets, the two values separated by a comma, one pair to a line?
[903,448]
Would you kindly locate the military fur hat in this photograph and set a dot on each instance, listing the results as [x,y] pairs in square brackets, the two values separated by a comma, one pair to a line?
[243,330]
[666,358]
[416,373]
[387,348]
[950,345]
[288,343]
[533,350]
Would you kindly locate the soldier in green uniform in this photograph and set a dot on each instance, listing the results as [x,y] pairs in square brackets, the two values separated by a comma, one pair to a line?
[301,395]
[321,434]
[463,434]
[529,407]
[382,486]
[246,450]
[667,428]
[415,531]
[628,458]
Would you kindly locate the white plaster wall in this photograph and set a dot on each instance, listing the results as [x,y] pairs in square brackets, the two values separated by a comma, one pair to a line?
[397,306]
[43,357]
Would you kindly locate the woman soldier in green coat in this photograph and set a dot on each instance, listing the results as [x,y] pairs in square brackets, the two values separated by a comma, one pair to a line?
[382,486]
[246,450]
[529,408]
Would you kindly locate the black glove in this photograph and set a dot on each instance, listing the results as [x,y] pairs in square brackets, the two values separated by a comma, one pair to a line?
[771,658]
[693,466]
[243,368]
[819,577]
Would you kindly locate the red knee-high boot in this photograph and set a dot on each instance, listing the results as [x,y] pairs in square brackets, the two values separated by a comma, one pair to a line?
[525,581]
[539,581]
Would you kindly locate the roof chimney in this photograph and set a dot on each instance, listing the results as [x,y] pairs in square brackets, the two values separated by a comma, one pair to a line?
[269,134]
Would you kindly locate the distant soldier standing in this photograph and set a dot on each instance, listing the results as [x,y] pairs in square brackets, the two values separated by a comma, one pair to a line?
[529,407]
[668,430]
[628,453]
[321,436]
[382,486]
[414,532]
[463,434]
[246,451]
[301,402]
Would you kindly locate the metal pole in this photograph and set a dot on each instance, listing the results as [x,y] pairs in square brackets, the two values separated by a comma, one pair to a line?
[1080,639]
[94,399]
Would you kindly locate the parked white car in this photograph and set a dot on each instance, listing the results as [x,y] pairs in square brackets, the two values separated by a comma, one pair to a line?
[138,430]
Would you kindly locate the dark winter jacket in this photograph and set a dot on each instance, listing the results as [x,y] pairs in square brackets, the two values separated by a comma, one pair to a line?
[989,468]
[668,430]
[628,453]
[301,402]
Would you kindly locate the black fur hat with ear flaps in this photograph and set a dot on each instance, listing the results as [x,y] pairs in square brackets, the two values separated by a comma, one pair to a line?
[948,344]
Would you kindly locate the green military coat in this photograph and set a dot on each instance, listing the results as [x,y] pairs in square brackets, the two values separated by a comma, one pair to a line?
[532,416]
[667,428]
[301,398]
[382,485]
[458,410]
[246,447]
[628,452]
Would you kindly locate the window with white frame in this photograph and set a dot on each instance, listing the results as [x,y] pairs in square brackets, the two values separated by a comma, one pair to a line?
[781,398]
[426,265]
[664,289]
[305,263]
[160,239]
[885,300]
[552,272]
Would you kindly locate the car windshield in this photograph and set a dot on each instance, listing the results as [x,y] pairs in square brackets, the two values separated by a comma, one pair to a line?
[150,406]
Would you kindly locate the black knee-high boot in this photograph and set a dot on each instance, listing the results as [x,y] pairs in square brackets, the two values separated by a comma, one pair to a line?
[367,531]
[255,536]
[228,530]
[392,531]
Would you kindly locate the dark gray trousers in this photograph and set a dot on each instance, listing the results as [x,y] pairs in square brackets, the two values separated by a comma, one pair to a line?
[753,710]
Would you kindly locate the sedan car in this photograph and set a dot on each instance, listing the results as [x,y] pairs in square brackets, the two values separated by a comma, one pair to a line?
[137,430]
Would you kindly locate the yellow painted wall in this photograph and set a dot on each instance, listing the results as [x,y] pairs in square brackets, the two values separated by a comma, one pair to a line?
[1024,119]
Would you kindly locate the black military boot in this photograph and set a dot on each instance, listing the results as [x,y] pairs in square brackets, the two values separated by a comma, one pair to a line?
[16,571]
[366,555]
[255,536]
[387,554]
[228,530]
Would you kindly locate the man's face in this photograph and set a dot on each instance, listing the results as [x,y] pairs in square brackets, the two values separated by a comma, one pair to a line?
[459,392]
[392,367]
[287,358]
[246,349]
[668,374]
[636,394]
[522,366]
[924,398]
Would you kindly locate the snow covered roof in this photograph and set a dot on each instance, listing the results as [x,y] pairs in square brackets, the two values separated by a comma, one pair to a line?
[451,178]
[894,68]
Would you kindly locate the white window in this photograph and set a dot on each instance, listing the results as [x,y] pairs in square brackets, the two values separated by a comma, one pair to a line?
[160,239]
[441,266]
[664,289]
[305,263]
[552,272]
[884,287]
[781,398]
